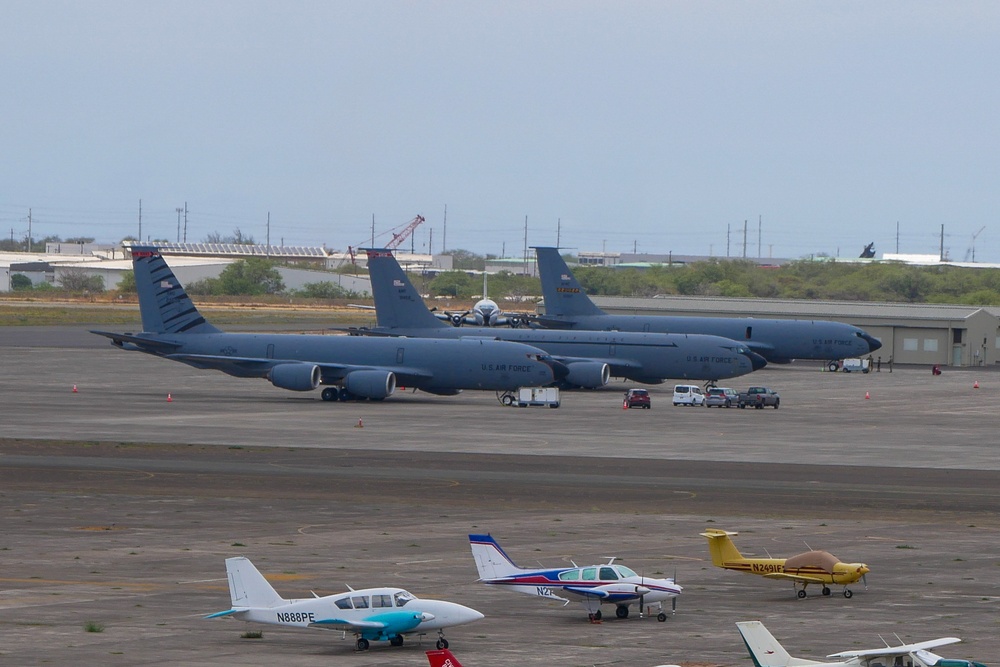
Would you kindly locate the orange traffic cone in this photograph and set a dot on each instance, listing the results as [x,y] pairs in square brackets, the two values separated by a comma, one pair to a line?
[360,424]
[867,396]
[74,390]
[975,386]
[170,398]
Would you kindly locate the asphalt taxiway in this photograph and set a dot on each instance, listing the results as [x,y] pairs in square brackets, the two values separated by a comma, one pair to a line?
[119,508]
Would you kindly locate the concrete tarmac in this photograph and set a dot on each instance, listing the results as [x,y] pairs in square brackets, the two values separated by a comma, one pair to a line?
[120,507]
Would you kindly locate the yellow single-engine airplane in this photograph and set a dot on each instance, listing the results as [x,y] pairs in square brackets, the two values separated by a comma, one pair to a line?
[811,567]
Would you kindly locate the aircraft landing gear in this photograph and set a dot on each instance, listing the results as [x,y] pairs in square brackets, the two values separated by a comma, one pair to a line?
[848,593]
[396,640]
[595,617]
[661,617]
[621,611]
[802,593]
[329,394]
[826,590]
[442,643]
[362,644]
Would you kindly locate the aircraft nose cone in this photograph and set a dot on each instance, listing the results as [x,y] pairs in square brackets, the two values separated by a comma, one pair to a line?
[758,362]
[461,614]
[873,343]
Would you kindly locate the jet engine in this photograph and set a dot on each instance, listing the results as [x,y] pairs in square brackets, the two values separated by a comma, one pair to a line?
[297,377]
[370,384]
[589,374]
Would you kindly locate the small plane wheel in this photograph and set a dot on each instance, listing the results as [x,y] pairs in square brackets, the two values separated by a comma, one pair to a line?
[802,593]
[597,615]
[329,394]
[661,617]
[848,593]
[621,611]
[362,644]
[397,640]
[833,366]
[507,400]
[442,643]
[826,590]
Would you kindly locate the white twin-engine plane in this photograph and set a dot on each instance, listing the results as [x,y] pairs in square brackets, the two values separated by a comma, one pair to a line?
[765,651]
[592,585]
[372,614]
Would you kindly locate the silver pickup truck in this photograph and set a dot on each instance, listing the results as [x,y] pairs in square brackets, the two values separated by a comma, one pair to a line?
[758,397]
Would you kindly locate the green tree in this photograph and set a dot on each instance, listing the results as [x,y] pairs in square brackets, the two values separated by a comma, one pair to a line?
[126,285]
[251,276]
[19,281]
[325,290]
[75,280]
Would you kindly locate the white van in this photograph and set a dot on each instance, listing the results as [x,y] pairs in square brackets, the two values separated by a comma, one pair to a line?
[688,394]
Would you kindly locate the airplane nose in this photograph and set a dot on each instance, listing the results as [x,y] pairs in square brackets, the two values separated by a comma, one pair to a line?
[873,343]
[756,361]
[459,614]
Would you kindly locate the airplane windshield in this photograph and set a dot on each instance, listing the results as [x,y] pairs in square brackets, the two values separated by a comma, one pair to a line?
[626,572]
[402,597]
[608,574]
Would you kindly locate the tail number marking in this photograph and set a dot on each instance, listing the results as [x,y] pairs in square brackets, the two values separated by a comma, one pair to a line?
[295,617]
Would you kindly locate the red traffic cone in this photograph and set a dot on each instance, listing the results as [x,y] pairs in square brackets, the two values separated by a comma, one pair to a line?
[867,396]
[170,398]
[74,390]
[360,424]
[975,386]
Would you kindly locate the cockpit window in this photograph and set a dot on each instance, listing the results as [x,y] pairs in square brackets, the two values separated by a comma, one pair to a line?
[626,572]
[343,603]
[589,573]
[569,575]
[402,597]
[381,601]
[608,574]
[360,602]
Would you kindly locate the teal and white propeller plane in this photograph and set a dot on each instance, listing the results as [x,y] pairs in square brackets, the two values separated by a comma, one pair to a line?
[371,614]
[766,651]
[352,368]
[591,585]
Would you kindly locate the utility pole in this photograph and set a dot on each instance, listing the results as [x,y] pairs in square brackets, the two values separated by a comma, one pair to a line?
[29,230]
[526,245]
[268,251]
[430,244]
[558,230]
[185,222]
[744,239]
[942,242]
[179,211]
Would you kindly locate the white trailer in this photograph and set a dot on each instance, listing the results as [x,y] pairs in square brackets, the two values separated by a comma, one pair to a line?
[533,396]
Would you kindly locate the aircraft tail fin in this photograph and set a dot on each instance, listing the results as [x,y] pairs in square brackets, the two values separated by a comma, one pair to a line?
[397,302]
[721,546]
[491,560]
[442,658]
[248,587]
[564,297]
[765,650]
[163,304]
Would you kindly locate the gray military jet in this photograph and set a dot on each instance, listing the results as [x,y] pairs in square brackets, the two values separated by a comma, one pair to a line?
[590,357]
[358,368]
[567,306]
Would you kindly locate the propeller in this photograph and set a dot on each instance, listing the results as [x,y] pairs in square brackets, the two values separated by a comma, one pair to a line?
[456,319]
[864,579]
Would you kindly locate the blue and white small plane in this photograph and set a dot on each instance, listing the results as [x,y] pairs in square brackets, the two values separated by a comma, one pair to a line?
[591,585]
[765,651]
[371,614]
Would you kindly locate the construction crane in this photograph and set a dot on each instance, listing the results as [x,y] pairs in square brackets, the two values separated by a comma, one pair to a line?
[397,237]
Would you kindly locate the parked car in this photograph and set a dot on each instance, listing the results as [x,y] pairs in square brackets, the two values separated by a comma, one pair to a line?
[721,397]
[758,397]
[637,398]
[688,394]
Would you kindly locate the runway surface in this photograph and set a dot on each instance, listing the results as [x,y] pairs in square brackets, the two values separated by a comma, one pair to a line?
[120,507]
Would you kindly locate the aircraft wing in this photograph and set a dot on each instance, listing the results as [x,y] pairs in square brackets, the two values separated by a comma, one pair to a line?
[347,626]
[587,592]
[898,650]
[259,367]
[802,578]
[553,322]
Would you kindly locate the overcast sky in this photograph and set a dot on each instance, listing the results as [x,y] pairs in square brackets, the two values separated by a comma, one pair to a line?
[650,125]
